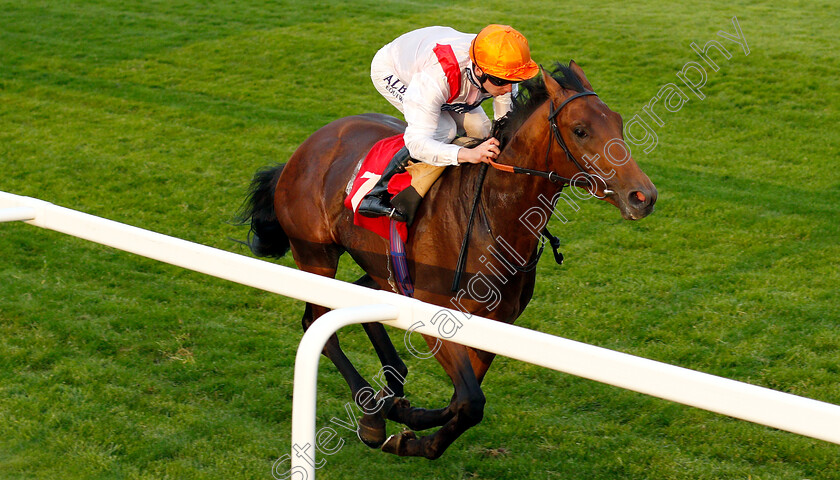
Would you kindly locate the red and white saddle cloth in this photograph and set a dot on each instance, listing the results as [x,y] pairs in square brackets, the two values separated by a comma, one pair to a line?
[369,173]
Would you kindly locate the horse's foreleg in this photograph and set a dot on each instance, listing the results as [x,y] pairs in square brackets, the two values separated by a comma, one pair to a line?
[418,418]
[422,418]
[465,410]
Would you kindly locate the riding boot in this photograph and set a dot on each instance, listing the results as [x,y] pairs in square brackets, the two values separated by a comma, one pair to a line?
[377,202]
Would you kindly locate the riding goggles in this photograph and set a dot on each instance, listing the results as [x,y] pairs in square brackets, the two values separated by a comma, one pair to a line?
[499,82]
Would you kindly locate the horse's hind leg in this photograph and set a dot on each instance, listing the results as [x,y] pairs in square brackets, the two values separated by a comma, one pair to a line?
[394,370]
[396,407]
[393,373]
[372,425]
[391,379]
[333,351]
[323,260]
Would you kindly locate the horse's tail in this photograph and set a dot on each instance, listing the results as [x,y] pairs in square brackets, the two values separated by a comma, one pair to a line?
[266,237]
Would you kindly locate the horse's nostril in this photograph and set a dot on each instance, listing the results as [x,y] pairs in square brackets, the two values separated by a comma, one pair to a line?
[637,199]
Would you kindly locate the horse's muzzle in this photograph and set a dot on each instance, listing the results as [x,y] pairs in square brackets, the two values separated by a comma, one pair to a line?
[637,203]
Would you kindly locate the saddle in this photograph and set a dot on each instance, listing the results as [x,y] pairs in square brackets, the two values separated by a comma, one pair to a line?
[408,188]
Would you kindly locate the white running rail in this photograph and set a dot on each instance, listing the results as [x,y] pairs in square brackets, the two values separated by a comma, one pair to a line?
[780,410]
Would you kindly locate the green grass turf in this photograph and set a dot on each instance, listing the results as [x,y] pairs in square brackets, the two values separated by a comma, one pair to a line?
[157,113]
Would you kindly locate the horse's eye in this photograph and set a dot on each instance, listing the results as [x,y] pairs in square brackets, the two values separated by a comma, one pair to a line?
[581,133]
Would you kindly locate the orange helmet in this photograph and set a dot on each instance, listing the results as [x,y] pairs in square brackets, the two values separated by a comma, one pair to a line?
[501,51]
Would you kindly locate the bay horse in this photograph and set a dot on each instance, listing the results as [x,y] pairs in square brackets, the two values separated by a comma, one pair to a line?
[299,205]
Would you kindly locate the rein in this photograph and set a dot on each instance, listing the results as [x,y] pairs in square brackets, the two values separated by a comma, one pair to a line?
[551,176]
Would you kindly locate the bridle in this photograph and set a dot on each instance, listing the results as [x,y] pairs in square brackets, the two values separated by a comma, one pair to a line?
[588,179]
[585,182]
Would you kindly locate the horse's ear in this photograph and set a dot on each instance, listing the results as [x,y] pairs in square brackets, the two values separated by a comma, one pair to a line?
[579,72]
[551,86]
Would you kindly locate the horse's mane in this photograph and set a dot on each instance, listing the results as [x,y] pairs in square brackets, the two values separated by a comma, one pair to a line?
[532,93]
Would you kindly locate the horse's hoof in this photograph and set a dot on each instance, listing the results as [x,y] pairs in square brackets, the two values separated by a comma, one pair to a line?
[389,403]
[396,443]
[397,409]
[371,431]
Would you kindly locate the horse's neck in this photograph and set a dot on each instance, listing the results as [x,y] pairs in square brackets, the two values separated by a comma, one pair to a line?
[516,204]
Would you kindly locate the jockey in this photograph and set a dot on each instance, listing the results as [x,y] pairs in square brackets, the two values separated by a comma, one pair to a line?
[438,77]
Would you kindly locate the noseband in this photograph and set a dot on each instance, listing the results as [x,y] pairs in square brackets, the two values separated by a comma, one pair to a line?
[555,130]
